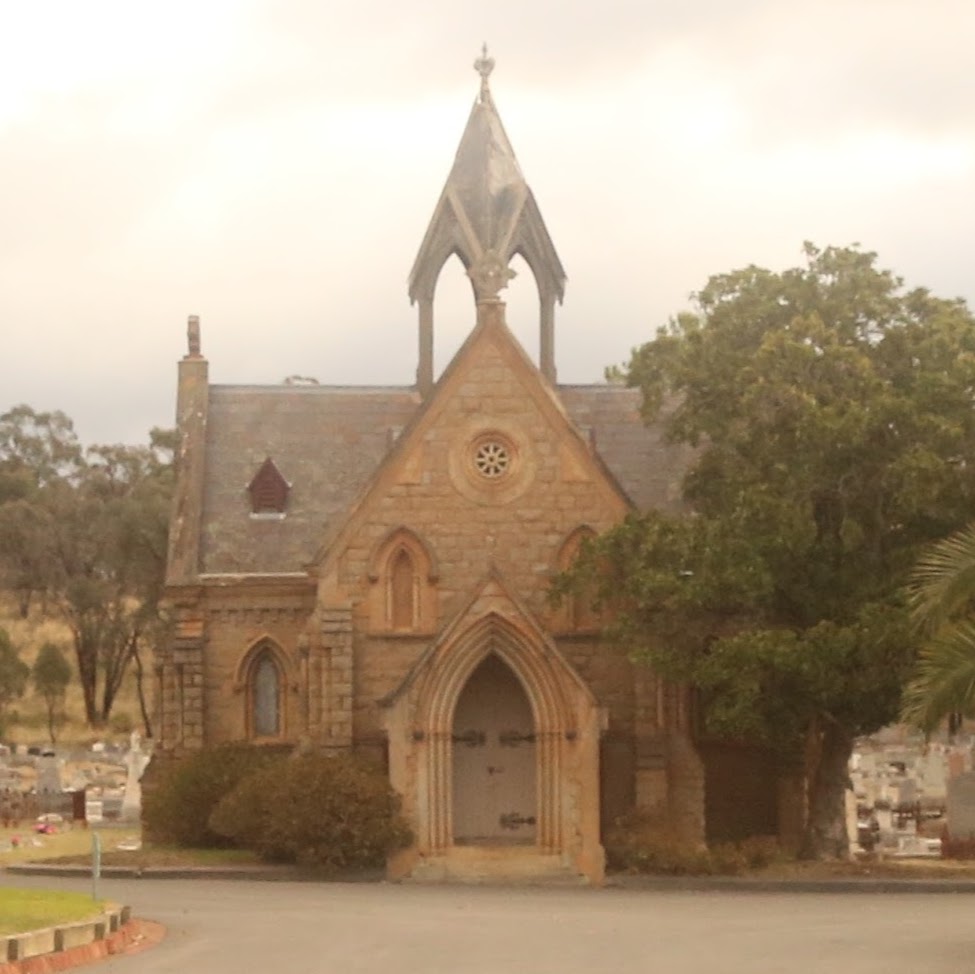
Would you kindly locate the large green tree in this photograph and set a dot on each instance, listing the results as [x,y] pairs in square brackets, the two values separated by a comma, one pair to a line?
[40,460]
[86,529]
[830,413]
[111,547]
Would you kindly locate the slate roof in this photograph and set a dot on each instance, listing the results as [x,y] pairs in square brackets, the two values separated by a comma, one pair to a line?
[327,441]
[647,467]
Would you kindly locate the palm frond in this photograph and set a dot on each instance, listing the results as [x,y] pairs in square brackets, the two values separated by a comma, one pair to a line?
[944,580]
[945,680]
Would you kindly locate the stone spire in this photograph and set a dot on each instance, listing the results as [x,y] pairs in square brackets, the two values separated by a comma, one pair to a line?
[486,214]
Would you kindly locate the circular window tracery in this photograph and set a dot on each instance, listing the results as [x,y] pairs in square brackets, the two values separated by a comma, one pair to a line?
[492,458]
[491,464]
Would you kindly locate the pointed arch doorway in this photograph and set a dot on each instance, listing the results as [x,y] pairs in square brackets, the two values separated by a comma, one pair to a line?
[494,759]
[495,693]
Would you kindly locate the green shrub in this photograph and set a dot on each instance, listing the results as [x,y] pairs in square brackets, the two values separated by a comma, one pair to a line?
[335,812]
[181,796]
[644,842]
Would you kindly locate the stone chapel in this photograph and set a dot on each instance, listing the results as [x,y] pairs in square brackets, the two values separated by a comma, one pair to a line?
[369,568]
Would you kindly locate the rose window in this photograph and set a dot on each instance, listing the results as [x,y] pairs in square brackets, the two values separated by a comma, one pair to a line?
[492,459]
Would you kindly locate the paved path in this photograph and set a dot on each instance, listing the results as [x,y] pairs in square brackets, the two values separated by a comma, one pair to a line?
[227,927]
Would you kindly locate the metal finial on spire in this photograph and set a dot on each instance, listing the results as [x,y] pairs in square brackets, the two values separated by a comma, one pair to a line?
[484,65]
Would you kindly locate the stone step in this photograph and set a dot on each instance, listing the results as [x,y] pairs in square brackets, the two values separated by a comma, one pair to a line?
[496,864]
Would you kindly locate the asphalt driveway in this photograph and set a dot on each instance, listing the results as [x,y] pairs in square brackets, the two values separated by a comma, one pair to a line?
[227,927]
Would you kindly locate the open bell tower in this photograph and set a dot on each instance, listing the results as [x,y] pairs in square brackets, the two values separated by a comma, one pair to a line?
[485,215]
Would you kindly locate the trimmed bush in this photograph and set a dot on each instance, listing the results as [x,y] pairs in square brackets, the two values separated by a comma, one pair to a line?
[335,812]
[176,808]
[645,843]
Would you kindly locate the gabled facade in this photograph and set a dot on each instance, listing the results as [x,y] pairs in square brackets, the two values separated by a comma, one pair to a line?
[389,594]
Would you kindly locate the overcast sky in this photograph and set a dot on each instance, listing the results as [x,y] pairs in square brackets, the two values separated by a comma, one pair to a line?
[271,165]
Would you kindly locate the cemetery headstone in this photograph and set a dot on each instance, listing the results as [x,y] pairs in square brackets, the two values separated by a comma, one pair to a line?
[48,776]
[135,762]
[961,806]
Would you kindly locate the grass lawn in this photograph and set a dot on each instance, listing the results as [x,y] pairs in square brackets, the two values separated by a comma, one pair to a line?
[34,909]
[24,845]
[73,847]
[162,856]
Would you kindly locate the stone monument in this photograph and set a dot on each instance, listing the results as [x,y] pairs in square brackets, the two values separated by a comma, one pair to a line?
[136,761]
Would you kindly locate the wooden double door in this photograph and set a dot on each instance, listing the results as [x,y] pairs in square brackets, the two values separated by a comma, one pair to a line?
[494,760]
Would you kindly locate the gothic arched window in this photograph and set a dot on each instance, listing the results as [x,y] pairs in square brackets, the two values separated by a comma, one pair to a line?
[404,579]
[402,584]
[265,696]
[578,612]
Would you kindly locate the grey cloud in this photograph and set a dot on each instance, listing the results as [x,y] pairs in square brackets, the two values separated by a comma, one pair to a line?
[301,265]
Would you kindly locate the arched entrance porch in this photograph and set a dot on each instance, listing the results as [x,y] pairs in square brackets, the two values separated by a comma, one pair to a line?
[506,655]
[494,745]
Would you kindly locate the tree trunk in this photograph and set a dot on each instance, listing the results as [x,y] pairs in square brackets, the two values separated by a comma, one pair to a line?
[52,719]
[140,689]
[87,677]
[825,835]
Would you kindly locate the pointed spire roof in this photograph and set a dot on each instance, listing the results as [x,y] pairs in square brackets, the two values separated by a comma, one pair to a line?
[486,209]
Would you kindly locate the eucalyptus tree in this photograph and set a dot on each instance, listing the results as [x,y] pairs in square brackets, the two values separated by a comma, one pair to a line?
[86,530]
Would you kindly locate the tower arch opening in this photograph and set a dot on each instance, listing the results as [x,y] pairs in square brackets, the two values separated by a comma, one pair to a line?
[454,312]
[521,298]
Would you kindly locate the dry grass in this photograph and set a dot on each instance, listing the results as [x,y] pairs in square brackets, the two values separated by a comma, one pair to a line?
[73,846]
[169,857]
[870,867]
[27,717]
[75,842]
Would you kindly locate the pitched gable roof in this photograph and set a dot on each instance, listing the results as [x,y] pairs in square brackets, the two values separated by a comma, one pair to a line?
[329,439]
[490,328]
[647,465]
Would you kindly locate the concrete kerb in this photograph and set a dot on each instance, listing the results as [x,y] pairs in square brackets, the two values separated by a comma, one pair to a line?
[67,944]
[748,884]
[268,873]
[659,884]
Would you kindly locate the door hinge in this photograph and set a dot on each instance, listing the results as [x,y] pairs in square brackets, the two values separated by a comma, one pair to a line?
[514,820]
[513,738]
[471,738]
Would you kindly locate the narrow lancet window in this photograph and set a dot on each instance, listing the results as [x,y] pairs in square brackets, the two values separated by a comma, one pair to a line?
[266,697]
[402,591]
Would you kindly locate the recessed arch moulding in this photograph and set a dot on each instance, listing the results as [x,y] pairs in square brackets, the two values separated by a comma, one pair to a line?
[568,723]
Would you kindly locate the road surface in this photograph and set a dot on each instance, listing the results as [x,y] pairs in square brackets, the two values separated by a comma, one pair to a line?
[234,927]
